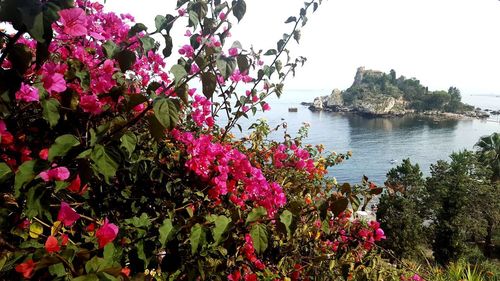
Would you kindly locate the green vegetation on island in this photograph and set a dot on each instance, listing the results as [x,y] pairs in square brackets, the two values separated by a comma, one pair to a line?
[380,94]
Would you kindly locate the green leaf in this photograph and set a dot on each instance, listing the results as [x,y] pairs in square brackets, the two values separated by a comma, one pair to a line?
[51,111]
[270,52]
[103,276]
[281,45]
[167,51]
[291,19]
[142,221]
[256,214]
[36,202]
[36,29]
[94,265]
[148,43]
[259,237]
[221,224]
[243,63]
[25,174]
[104,163]
[166,232]
[156,129]
[181,2]
[286,218]
[135,100]
[5,172]
[62,146]
[339,206]
[179,73]
[193,19]
[20,56]
[129,141]
[209,82]
[126,59]
[35,229]
[167,112]
[201,9]
[31,243]
[60,185]
[137,28]
[110,49]
[57,270]
[88,277]
[108,253]
[239,9]
[196,237]
[160,22]
[226,66]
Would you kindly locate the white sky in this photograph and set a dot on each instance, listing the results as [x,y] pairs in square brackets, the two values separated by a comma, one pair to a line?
[440,42]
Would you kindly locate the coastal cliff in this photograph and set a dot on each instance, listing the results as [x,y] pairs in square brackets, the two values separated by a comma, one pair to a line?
[376,93]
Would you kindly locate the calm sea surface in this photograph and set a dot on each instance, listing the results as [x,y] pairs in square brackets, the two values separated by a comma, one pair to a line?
[376,141]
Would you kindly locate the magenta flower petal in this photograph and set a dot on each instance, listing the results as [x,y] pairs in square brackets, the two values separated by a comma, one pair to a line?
[74,21]
[67,215]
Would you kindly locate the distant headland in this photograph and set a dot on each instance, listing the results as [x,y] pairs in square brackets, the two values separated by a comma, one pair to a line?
[375,93]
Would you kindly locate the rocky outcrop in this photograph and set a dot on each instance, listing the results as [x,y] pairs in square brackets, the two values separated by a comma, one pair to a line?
[335,99]
[380,106]
[317,104]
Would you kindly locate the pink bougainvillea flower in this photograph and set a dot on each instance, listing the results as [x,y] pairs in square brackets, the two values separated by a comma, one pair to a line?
[54,83]
[235,276]
[251,277]
[233,52]
[416,277]
[56,174]
[187,51]
[26,268]
[64,239]
[76,186]
[106,233]
[52,245]
[67,215]
[222,16]
[44,154]
[266,107]
[181,12]
[74,21]
[90,104]
[125,271]
[90,227]
[27,93]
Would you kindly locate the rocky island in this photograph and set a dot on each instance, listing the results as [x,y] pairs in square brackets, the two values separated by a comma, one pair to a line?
[375,93]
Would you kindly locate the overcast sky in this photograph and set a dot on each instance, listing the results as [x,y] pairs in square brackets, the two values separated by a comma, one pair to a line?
[440,42]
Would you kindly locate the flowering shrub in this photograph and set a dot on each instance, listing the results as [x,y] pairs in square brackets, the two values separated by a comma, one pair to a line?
[113,167]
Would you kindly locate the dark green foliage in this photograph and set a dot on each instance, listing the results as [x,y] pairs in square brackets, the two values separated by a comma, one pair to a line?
[457,189]
[454,209]
[400,210]
[377,84]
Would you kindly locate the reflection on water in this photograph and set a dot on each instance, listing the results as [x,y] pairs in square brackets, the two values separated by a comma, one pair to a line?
[376,141]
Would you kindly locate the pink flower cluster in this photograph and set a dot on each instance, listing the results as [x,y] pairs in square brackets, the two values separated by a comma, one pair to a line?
[201,113]
[294,157]
[371,235]
[249,252]
[230,172]
[237,76]
[56,174]
[83,67]
[13,151]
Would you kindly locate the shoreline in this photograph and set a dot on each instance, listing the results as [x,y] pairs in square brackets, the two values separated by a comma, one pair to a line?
[434,115]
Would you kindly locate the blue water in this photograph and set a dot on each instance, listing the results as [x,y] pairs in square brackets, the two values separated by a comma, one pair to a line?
[374,142]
